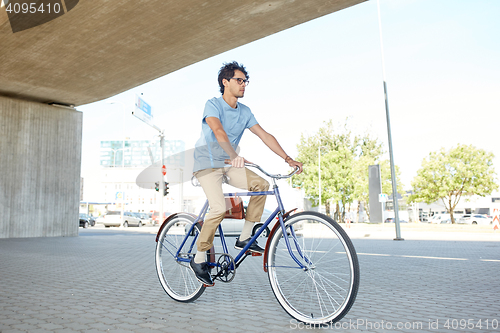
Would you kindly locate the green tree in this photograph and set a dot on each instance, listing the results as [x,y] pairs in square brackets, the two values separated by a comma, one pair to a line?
[336,166]
[344,166]
[337,179]
[449,175]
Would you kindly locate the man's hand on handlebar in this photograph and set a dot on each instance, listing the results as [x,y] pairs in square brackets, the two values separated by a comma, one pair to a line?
[294,164]
[237,162]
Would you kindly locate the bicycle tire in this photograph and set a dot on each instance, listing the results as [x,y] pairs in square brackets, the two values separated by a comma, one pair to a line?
[176,277]
[326,291]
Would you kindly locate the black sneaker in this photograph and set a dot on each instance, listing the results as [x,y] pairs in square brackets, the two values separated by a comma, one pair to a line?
[202,272]
[253,248]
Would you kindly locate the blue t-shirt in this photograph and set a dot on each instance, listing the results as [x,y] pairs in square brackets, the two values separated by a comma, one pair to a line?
[208,153]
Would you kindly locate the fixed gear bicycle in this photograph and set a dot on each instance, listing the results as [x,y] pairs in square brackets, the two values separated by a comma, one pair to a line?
[311,263]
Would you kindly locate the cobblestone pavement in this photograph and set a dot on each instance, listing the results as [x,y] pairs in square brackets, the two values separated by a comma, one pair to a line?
[105,281]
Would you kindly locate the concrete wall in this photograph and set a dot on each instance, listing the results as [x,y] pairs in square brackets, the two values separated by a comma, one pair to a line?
[40,161]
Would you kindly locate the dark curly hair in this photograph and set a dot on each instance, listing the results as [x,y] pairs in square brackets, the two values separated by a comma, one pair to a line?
[227,72]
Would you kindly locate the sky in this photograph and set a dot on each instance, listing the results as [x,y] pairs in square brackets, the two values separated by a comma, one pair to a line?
[442,73]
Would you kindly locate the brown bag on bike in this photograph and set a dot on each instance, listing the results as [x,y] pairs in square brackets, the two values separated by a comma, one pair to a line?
[235,210]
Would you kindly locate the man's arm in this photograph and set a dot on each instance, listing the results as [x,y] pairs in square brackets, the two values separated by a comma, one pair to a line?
[223,140]
[273,144]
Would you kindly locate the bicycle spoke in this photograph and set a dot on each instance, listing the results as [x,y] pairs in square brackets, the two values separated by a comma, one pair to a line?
[339,294]
[318,300]
[335,275]
[328,252]
[330,298]
[303,280]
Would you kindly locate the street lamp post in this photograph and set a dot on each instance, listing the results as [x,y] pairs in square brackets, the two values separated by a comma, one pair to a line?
[391,156]
[319,175]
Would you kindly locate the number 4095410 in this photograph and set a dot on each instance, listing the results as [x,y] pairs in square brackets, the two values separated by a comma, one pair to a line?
[33,8]
[471,324]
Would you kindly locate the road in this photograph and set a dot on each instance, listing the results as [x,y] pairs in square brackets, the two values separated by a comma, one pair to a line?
[105,281]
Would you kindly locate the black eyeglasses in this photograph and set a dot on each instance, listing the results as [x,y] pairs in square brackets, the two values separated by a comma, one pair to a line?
[240,81]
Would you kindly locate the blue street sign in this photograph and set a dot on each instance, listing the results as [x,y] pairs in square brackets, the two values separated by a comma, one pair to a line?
[143,111]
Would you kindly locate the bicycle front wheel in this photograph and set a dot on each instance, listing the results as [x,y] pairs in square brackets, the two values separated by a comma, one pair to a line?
[174,273]
[325,290]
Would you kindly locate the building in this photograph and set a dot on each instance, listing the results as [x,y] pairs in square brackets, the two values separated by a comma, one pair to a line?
[120,169]
[139,153]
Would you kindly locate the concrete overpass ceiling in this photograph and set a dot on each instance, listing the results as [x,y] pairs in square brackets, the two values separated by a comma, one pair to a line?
[101,48]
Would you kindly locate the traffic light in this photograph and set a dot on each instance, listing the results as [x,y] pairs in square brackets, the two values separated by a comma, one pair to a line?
[166,189]
[157,186]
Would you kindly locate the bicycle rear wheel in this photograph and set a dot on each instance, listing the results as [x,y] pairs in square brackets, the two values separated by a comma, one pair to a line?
[175,275]
[325,291]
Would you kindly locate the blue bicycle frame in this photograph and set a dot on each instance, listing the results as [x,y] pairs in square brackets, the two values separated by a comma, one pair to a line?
[279,212]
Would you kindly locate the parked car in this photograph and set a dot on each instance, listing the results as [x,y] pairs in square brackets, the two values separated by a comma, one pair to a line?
[440,219]
[233,227]
[86,220]
[131,220]
[391,220]
[145,219]
[475,219]
[110,219]
[113,219]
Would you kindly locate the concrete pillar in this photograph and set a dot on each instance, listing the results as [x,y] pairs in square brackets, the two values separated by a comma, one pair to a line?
[374,190]
[40,162]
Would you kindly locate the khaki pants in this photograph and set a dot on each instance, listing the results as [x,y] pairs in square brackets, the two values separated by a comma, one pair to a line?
[211,182]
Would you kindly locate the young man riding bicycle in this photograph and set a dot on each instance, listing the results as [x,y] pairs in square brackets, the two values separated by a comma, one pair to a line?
[224,121]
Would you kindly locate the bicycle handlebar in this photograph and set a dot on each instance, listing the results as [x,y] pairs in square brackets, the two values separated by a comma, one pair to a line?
[195,182]
[276,176]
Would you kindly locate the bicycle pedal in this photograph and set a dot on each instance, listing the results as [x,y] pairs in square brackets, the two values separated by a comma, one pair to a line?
[208,285]
[254,254]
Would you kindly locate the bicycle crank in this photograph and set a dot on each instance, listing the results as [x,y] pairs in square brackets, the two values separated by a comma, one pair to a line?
[225,268]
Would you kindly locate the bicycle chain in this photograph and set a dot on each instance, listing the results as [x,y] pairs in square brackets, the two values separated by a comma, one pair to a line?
[225,268]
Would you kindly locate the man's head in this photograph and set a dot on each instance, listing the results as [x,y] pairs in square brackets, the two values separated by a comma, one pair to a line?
[234,77]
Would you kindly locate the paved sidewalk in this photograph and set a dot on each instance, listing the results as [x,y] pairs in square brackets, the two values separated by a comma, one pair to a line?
[105,281]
